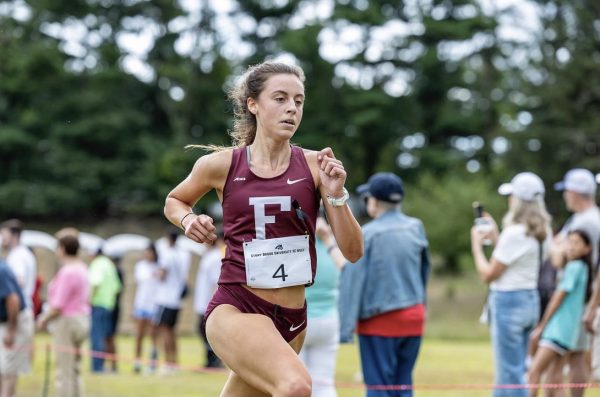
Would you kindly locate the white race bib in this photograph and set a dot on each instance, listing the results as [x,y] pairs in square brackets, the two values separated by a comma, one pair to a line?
[278,262]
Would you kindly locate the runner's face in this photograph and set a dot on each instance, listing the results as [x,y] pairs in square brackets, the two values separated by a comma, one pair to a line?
[279,106]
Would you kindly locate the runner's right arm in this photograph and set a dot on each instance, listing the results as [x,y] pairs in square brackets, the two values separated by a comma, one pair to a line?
[209,172]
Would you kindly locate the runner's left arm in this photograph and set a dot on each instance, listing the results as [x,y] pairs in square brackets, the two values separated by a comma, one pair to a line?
[347,232]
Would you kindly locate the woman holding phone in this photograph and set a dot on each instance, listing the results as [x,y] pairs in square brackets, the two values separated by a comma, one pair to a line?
[512,274]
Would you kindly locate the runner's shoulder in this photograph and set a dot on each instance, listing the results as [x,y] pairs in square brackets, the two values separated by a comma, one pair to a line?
[311,156]
[215,162]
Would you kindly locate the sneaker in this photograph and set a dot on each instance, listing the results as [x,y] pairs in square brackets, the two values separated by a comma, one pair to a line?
[168,370]
[149,371]
[153,360]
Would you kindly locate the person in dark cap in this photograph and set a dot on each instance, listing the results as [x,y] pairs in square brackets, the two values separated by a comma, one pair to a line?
[382,296]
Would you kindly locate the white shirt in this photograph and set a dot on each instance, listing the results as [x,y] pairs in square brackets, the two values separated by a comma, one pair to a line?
[521,255]
[146,280]
[176,263]
[23,264]
[206,279]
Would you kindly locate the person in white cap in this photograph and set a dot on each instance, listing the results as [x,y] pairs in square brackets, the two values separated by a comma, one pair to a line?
[579,191]
[512,272]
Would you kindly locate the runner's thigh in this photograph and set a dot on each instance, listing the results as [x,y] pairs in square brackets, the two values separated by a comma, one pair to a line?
[253,348]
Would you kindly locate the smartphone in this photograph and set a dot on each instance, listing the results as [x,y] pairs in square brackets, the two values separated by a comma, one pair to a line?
[482,223]
[477,209]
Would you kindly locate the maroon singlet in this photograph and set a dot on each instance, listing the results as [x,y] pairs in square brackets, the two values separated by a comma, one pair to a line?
[241,225]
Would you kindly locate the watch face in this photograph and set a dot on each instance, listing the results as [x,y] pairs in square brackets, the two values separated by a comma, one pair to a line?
[340,201]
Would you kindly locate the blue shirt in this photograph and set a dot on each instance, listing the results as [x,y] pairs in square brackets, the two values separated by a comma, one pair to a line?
[391,275]
[564,326]
[8,286]
[322,296]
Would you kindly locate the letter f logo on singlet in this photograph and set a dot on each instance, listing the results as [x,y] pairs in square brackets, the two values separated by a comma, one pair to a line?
[260,218]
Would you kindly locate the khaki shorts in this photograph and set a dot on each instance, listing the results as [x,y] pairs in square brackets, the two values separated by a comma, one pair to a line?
[17,359]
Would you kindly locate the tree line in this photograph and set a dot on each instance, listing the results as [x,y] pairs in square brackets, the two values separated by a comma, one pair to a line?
[455,96]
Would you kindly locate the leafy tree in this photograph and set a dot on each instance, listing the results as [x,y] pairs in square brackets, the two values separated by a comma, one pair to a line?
[444,206]
[560,84]
[421,88]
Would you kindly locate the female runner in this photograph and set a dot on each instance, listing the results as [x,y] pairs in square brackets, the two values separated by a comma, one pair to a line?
[270,192]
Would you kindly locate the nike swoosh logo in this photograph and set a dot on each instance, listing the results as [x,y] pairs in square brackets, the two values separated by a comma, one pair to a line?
[292,328]
[292,181]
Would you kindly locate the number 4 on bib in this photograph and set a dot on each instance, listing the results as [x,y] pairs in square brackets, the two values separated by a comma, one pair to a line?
[280,273]
[278,263]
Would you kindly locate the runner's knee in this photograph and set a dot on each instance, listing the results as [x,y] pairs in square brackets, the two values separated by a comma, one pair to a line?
[296,386]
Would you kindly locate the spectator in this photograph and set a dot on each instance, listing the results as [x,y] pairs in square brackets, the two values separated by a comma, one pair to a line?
[206,285]
[69,314]
[36,298]
[22,262]
[144,305]
[321,344]
[115,316]
[579,191]
[559,327]
[19,258]
[512,273]
[385,289]
[16,332]
[105,286]
[172,287]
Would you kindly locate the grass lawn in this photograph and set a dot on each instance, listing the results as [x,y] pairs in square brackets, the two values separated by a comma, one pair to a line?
[455,351]
[440,362]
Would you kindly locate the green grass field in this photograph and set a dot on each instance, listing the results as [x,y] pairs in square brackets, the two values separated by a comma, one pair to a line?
[440,362]
[455,351]
[442,367]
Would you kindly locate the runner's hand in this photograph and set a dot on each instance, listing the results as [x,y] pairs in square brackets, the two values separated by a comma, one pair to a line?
[331,172]
[200,228]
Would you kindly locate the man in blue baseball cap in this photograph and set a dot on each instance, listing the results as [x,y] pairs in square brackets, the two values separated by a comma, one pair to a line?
[382,296]
[383,186]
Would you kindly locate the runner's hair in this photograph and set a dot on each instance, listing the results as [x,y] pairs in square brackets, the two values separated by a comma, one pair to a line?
[251,84]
